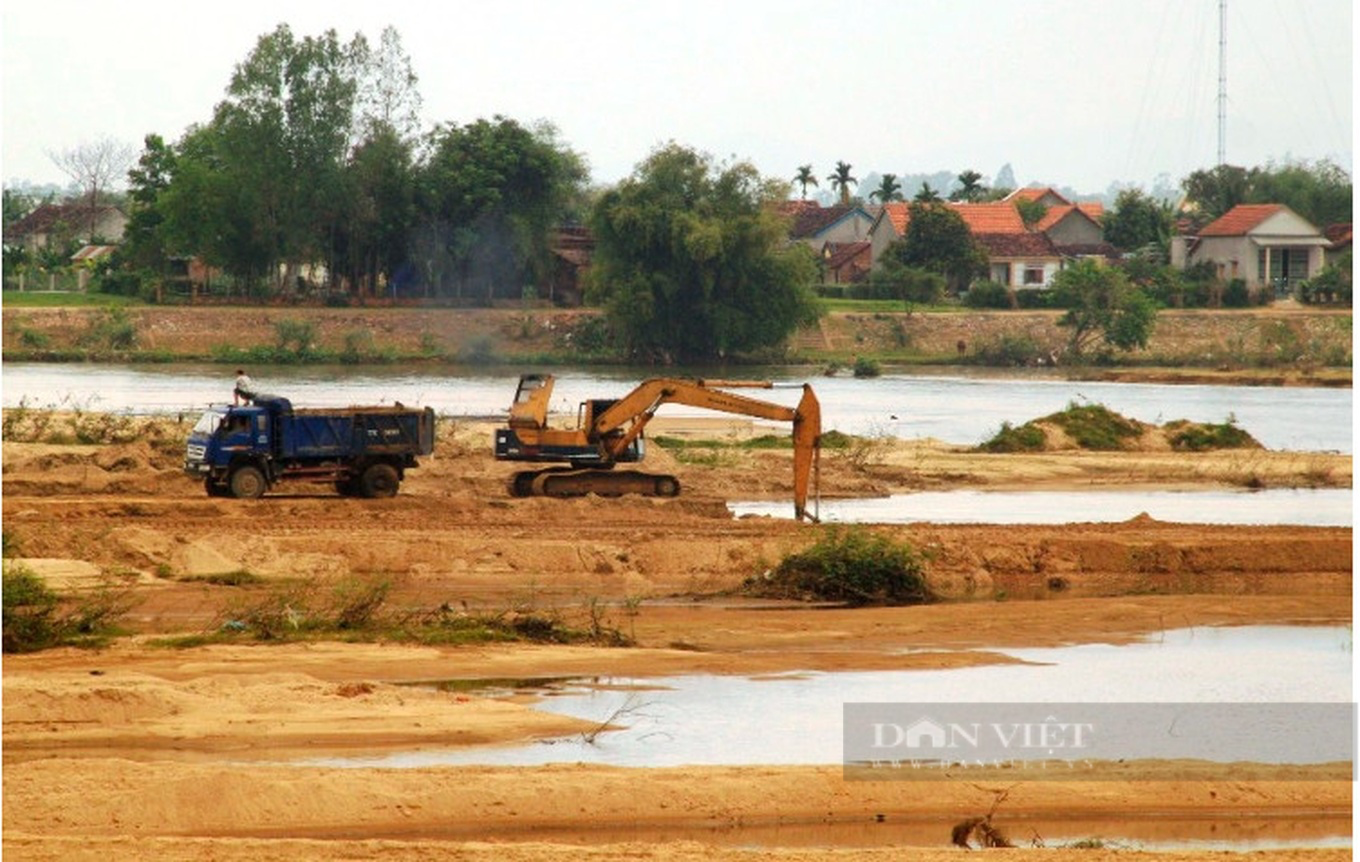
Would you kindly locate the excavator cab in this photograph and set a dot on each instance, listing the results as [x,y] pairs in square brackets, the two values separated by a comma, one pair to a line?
[530,409]
[528,437]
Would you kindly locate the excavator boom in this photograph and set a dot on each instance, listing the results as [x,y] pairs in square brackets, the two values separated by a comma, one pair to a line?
[610,432]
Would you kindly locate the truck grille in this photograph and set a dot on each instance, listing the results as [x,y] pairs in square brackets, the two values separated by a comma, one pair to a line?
[195,452]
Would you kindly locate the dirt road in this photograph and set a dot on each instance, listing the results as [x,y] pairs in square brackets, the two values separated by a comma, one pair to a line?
[143,751]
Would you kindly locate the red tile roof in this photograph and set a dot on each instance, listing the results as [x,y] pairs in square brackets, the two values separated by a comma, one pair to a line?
[791,208]
[809,221]
[1033,193]
[1029,245]
[1240,220]
[899,214]
[1338,234]
[998,217]
[1091,210]
[844,252]
[46,216]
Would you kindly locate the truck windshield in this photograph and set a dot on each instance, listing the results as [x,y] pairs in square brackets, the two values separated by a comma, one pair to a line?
[207,423]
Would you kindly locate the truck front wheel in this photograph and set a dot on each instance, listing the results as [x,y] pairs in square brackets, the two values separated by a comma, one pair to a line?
[379,480]
[247,483]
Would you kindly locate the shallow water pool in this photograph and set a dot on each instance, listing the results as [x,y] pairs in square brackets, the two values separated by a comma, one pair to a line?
[1317,507]
[796,718]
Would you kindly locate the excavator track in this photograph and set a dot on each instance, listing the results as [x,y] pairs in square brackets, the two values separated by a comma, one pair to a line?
[569,482]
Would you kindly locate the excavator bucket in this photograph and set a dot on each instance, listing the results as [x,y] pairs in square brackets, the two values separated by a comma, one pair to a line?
[807,449]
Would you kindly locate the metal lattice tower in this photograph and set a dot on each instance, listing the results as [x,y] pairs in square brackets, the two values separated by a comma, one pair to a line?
[1222,82]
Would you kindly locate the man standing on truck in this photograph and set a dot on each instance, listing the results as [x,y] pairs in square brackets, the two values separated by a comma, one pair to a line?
[244,392]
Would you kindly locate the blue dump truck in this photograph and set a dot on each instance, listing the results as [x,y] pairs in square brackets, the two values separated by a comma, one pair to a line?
[360,451]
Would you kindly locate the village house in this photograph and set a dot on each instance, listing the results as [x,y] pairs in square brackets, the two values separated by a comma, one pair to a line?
[57,224]
[816,225]
[1076,231]
[1018,257]
[1268,246]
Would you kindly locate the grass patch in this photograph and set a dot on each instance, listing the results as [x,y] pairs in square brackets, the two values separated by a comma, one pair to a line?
[1027,438]
[849,565]
[882,306]
[238,578]
[359,609]
[1094,426]
[1090,426]
[1200,437]
[36,617]
[59,299]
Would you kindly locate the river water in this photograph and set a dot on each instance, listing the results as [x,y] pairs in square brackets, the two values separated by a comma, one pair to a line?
[954,407]
[1312,507]
[797,718]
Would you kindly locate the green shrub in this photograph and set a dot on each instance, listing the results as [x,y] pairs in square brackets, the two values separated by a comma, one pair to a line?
[1200,437]
[1027,438]
[1281,344]
[850,565]
[591,335]
[866,367]
[834,439]
[1331,284]
[987,294]
[1091,426]
[29,610]
[1236,295]
[1094,426]
[34,339]
[358,345]
[1007,350]
[110,329]
[1036,299]
[294,336]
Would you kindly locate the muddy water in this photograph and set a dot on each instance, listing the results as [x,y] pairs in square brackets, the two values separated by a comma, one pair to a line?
[1317,507]
[796,718]
[951,407]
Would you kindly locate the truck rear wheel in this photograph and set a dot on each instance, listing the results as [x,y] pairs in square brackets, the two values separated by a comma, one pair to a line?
[247,483]
[379,480]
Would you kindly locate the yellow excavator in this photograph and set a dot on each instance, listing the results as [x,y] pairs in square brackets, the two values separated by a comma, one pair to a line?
[609,432]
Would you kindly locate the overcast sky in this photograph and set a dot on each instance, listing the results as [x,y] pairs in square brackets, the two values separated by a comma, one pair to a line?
[1075,93]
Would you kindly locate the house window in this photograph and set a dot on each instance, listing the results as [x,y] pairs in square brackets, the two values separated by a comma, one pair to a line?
[1001,273]
[1034,274]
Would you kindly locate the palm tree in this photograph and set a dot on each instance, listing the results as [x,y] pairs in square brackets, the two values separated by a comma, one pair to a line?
[889,189]
[970,187]
[842,180]
[805,178]
[926,195]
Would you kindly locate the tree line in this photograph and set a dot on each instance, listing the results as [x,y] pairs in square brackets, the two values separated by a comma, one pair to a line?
[315,156]
[313,168]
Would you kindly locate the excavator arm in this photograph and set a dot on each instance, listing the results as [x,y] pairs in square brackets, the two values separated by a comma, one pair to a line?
[632,413]
[610,435]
